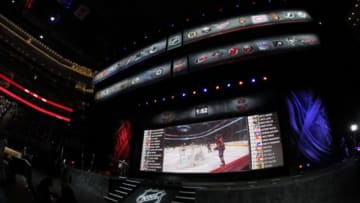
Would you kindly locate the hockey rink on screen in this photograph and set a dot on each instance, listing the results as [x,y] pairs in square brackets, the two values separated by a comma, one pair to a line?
[197,159]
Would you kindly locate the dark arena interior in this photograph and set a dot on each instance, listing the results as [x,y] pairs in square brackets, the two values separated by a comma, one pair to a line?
[179,101]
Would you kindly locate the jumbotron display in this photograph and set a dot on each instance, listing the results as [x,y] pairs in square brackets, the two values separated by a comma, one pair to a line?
[217,146]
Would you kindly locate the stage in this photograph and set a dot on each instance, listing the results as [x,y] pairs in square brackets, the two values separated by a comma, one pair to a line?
[337,183]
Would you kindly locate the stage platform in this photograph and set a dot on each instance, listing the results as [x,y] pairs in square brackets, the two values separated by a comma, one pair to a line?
[337,183]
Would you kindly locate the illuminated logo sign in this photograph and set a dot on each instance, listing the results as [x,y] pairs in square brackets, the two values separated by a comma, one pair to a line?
[248,48]
[135,80]
[308,40]
[275,16]
[151,196]
[301,14]
[278,43]
[158,72]
[290,15]
[127,60]
[242,20]
[218,27]
[179,65]
[191,35]
[259,19]
[153,49]
[206,29]
[263,45]
[217,54]
[202,59]
[174,40]
[138,56]
[223,25]
[291,41]
[233,51]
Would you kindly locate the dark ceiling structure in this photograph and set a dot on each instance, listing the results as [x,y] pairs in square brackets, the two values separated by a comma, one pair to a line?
[97,33]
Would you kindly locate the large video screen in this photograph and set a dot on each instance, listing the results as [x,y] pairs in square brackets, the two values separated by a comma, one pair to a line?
[217,146]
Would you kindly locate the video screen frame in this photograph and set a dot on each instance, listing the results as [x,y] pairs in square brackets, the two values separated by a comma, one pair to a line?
[256,144]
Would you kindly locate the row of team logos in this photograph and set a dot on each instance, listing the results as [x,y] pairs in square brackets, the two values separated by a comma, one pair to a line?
[176,40]
[144,78]
[184,64]
[254,47]
[245,22]
[138,56]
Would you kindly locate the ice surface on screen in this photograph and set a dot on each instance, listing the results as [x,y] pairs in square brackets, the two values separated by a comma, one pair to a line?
[218,146]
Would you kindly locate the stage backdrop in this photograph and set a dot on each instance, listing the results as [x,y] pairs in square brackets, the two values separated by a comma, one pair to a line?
[122,140]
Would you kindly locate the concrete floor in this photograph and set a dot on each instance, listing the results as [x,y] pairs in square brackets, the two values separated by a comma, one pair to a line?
[18,192]
[338,183]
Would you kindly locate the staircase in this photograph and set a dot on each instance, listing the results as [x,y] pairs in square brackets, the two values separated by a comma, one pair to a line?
[185,195]
[122,190]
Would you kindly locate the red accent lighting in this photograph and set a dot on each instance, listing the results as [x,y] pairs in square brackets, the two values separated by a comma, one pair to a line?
[122,143]
[11,82]
[27,103]
[29,4]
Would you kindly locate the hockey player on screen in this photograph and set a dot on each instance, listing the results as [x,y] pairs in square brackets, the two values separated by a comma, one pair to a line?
[208,146]
[220,146]
[182,153]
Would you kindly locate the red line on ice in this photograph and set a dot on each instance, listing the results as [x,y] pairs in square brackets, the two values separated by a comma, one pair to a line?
[234,166]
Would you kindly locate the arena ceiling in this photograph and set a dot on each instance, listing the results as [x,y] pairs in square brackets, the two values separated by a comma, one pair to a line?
[96,33]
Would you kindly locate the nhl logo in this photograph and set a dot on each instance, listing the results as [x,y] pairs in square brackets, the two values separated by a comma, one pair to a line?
[157,72]
[151,196]
[191,35]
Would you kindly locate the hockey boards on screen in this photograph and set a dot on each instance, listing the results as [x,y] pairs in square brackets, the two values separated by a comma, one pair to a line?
[218,146]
